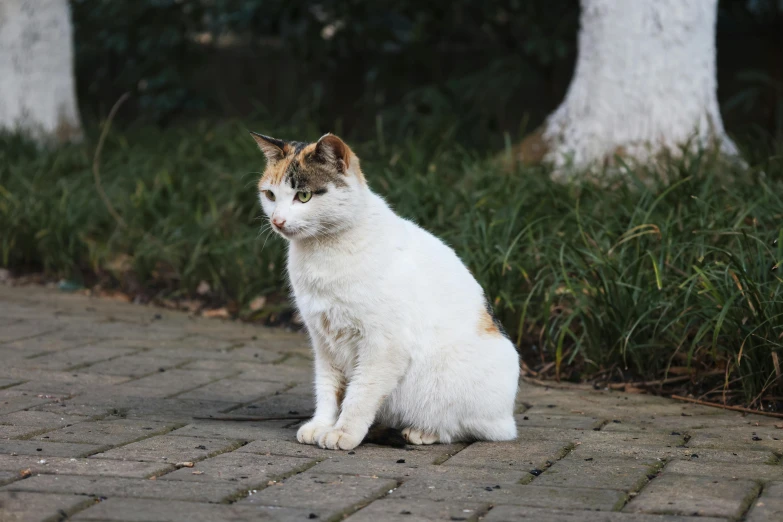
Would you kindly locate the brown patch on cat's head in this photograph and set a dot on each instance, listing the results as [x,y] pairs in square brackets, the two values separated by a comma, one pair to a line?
[487,326]
[308,166]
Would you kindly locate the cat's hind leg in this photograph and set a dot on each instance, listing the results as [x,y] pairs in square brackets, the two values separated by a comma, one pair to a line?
[418,437]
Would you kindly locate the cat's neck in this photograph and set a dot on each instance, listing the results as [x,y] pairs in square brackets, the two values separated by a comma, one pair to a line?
[372,217]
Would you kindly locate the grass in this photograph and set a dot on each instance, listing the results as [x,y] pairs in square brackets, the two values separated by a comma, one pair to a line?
[639,280]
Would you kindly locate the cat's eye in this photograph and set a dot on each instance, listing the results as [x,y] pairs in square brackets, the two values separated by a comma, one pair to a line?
[269,195]
[304,197]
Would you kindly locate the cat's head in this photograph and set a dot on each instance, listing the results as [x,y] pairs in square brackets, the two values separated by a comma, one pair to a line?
[310,189]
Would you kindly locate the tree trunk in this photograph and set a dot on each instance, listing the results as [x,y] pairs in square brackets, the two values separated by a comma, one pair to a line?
[644,84]
[37,91]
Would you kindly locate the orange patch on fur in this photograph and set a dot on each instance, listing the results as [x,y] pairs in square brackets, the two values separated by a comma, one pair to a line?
[486,326]
[307,150]
[274,173]
[358,171]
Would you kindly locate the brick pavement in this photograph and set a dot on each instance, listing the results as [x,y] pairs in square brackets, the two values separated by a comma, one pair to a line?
[97,400]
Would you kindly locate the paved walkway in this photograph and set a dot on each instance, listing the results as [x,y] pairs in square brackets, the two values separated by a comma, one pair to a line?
[97,400]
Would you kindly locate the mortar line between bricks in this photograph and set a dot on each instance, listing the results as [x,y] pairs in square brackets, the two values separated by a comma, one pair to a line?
[132,378]
[28,337]
[88,503]
[632,493]
[103,449]
[233,498]
[205,457]
[25,408]
[236,346]
[140,350]
[93,496]
[29,436]
[80,345]
[217,379]
[86,365]
[564,452]
[284,357]
[90,418]
[262,397]
[751,501]
[11,385]
[355,508]
[280,360]
[440,460]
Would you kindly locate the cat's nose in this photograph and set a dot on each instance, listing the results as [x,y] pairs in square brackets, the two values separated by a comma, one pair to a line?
[278,222]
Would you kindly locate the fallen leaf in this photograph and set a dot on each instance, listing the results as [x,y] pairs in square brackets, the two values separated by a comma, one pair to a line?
[633,389]
[25,473]
[114,295]
[191,305]
[120,263]
[168,303]
[196,472]
[217,313]
[258,303]
[185,464]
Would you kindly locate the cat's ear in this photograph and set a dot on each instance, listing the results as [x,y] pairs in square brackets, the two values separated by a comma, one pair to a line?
[273,149]
[333,151]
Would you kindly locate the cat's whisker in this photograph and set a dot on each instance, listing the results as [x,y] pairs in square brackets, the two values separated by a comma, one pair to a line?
[251,182]
[267,228]
[268,235]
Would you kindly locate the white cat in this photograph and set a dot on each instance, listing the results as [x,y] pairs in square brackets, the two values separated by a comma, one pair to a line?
[402,332]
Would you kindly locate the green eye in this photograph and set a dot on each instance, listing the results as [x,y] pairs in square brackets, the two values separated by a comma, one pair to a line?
[269,195]
[304,197]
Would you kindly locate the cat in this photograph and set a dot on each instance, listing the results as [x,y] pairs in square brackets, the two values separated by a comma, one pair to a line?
[402,333]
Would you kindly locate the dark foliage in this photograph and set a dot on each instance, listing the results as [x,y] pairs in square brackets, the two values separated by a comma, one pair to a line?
[485,67]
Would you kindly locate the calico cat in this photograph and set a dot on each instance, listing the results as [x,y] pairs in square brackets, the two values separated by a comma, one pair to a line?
[402,333]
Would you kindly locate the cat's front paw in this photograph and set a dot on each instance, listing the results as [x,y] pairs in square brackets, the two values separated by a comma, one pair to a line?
[340,438]
[309,432]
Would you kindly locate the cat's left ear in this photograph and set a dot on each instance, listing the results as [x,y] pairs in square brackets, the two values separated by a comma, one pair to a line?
[333,151]
[273,149]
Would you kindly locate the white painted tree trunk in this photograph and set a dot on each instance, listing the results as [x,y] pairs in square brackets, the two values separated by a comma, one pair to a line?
[644,83]
[37,91]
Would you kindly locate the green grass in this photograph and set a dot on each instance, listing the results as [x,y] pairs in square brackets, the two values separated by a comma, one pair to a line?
[643,279]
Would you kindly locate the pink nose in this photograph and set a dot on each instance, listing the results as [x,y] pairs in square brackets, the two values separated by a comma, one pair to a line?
[278,222]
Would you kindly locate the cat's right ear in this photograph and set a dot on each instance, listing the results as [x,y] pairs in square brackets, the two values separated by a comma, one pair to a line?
[273,149]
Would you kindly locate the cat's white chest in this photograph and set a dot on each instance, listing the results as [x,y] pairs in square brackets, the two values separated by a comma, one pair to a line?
[340,334]
[331,318]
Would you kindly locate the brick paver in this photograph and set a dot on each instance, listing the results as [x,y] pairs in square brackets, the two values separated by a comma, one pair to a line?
[97,400]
